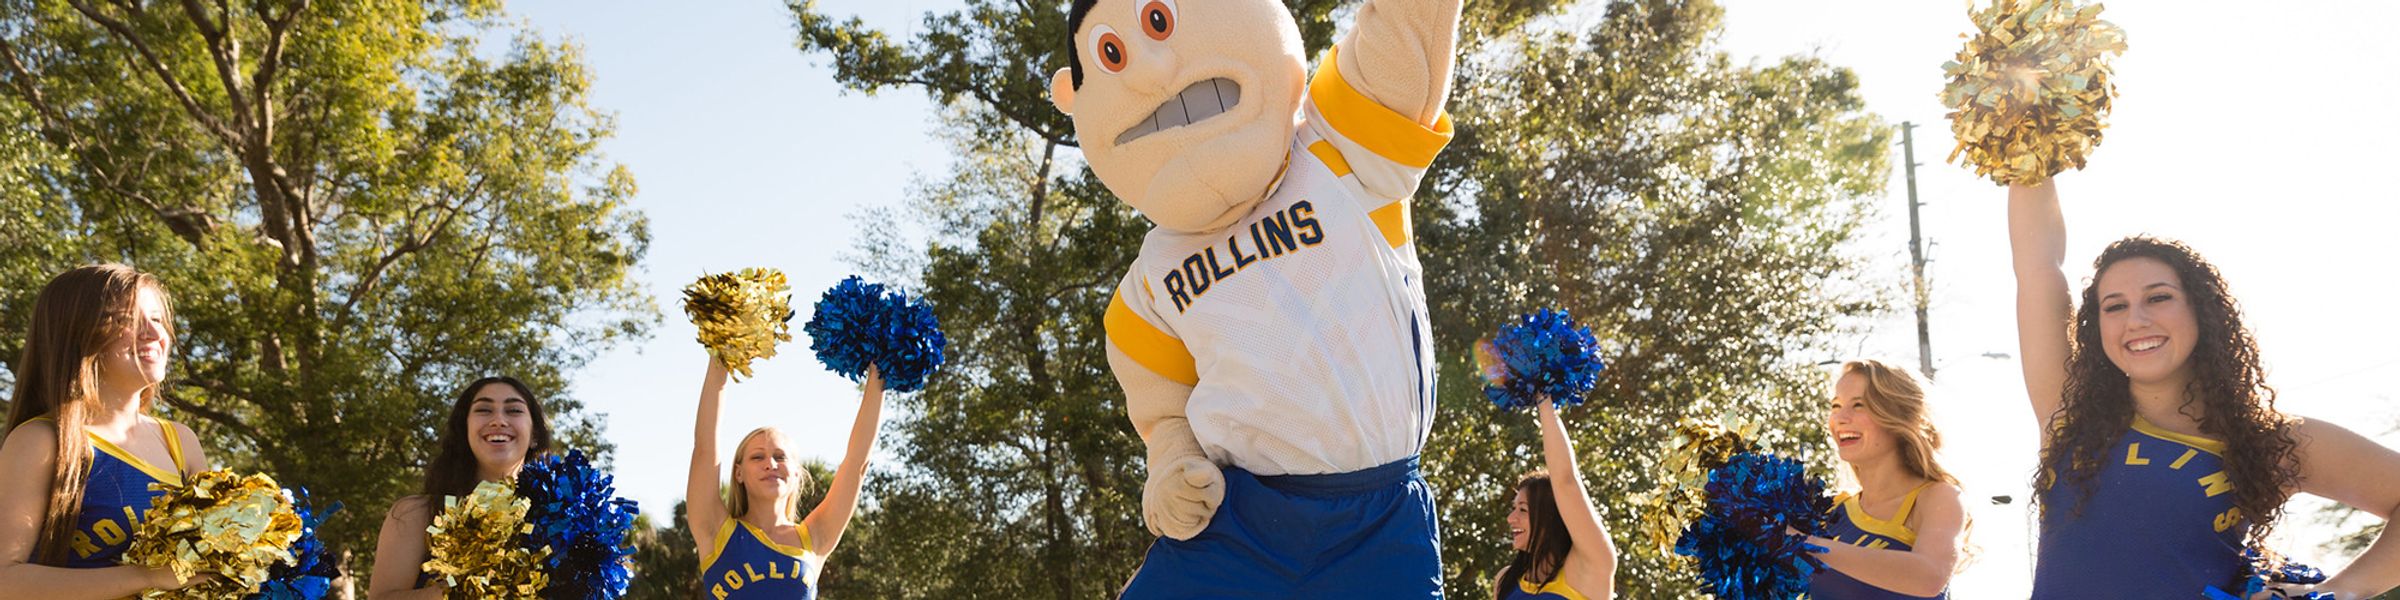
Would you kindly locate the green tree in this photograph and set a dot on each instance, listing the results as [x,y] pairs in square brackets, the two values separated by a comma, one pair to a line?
[1692,211]
[665,562]
[355,209]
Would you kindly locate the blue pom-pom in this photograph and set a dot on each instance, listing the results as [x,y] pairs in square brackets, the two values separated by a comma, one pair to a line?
[1742,545]
[2264,572]
[1542,355]
[311,573]
[575,512]
[859,324]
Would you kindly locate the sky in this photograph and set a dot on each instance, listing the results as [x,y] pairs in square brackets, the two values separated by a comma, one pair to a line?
[2252,131]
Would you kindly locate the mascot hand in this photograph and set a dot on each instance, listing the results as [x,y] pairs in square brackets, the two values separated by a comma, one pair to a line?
[1184,487]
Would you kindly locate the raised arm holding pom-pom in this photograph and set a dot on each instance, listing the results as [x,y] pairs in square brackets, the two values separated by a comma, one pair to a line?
[826,522]
[2037,239]
[1548,506]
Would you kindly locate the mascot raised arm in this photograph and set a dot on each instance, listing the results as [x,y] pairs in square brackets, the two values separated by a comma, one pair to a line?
[1271,336]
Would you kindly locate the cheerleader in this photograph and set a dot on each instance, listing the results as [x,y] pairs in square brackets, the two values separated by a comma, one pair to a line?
[750,546]
[1897,537]
[1563,550]
[495,426]
[2163,454]
[82,449]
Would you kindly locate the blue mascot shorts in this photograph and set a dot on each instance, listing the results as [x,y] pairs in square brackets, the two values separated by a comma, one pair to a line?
[1362,534]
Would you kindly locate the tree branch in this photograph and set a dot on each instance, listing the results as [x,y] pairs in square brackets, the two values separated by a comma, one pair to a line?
[225,53]
[270,62]
[415,243]
[188,224]
[230,422]
[150,59]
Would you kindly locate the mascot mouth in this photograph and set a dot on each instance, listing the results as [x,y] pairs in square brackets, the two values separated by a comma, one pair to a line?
[1194,104]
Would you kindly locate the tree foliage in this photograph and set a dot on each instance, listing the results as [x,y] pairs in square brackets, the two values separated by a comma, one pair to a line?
[355,209]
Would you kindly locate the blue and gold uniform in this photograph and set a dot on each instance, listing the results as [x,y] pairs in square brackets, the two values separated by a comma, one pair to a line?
[747,564]
[1852,525]
[115,494]
[1556,589]
[2160,523]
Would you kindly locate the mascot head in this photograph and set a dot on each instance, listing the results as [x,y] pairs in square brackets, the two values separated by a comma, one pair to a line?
[1185,112]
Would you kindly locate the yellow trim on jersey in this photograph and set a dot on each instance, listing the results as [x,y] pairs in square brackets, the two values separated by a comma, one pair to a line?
[717,548]
[1394,220]
[1377,128]
[1332,158]
[1557,585]
[2203,444]
[725,536]
[1146,344]
[162,475]
[1895,527]
[174,446]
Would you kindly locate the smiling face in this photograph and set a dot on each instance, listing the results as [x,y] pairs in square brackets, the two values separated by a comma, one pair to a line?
[1856,434]
[1520,520]
[2147,327]
[500,429]
[135,358]
[1186,110]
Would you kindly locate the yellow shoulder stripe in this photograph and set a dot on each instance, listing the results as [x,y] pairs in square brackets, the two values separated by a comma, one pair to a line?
[1896,529]
[2210,446]
[1556,587]
[1393,219]
[1146,344]
[1326,154]
[708,558]
[174,445]
[1386,133]
[779,548]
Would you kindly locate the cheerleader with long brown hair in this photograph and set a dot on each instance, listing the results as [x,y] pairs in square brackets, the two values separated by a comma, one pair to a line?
[82,447]
[2163,455]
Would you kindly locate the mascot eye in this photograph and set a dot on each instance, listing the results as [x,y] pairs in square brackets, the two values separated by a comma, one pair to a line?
[1111,50]
[1158,19]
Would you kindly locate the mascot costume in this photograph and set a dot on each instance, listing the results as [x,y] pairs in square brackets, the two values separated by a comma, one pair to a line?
[1271,336]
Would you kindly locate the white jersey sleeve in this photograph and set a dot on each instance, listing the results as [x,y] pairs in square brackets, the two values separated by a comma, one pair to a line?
[1385,152]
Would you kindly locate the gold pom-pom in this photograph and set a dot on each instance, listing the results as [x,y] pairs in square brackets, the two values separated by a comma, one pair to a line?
[1699,447]
[2029,94]
[475,550]
[236,527]
[741,315]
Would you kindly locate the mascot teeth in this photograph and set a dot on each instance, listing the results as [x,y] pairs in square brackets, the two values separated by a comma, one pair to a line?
[1195,104]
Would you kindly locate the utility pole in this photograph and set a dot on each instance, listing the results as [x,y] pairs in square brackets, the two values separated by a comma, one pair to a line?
[1916,249]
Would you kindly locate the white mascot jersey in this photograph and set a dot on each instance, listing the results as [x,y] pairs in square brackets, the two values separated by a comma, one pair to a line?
[1302,327]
